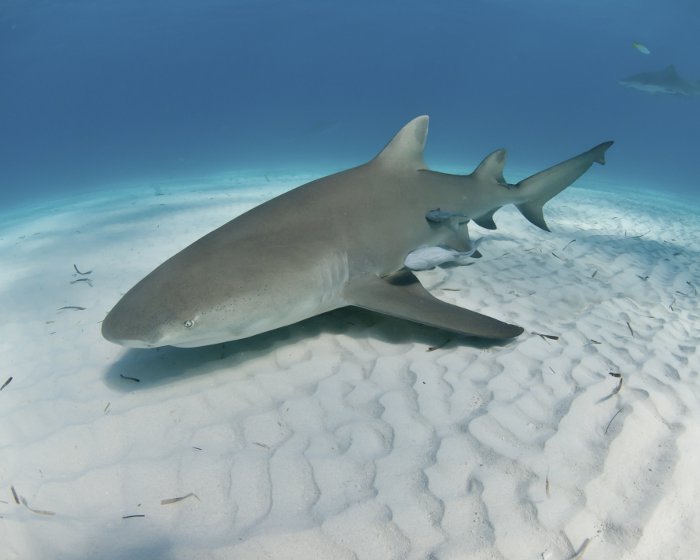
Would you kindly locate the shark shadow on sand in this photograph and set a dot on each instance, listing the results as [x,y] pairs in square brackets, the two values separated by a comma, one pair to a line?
[163,366]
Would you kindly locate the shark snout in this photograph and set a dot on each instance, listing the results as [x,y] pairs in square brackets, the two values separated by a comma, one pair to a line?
[120,328]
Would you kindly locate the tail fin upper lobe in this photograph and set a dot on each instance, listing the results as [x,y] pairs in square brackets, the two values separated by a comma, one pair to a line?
[539,188]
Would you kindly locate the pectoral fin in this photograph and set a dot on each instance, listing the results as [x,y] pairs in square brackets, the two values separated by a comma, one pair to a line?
[402,295]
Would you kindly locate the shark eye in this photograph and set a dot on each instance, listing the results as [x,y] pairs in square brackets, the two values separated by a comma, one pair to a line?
[189,323]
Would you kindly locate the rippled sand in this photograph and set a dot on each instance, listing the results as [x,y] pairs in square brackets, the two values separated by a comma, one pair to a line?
[352,435]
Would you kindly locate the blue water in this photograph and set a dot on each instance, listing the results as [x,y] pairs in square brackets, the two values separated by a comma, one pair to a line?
[99,93]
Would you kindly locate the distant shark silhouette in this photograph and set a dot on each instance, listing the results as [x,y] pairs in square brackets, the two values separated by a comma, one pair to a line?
[337,241]
[666,81]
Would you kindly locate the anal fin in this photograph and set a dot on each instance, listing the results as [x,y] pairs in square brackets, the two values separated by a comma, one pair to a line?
[401,295]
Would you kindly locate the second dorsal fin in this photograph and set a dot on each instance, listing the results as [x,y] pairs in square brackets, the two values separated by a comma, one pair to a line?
[491,168]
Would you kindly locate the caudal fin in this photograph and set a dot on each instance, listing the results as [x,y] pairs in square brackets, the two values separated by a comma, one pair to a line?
[539,188]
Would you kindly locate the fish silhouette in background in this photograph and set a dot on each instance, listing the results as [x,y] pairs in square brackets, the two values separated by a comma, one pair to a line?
[666,81]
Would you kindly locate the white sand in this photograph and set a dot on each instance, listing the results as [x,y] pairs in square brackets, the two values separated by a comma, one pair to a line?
[345,436]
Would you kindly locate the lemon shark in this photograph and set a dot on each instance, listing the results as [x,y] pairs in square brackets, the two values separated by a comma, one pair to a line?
[341,240]
[666,81]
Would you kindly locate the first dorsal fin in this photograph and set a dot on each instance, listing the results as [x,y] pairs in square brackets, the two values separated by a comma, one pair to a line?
[406,148]
[491,168]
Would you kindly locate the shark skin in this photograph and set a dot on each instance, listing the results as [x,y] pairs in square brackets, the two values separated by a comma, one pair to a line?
[337,241]
[666,82]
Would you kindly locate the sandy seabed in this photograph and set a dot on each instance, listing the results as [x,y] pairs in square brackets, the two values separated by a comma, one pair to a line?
[353,435]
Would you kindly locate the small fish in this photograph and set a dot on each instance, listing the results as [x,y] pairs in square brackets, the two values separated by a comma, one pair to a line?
[82,273]
[549,336]
[167,501]
[641,48]
[616,390]
[37,511]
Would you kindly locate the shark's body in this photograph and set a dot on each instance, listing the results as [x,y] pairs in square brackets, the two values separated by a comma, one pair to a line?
[666,81]
[337,241]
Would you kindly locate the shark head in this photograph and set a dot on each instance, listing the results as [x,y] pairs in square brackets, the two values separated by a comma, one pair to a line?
[160,310]
[215,291]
